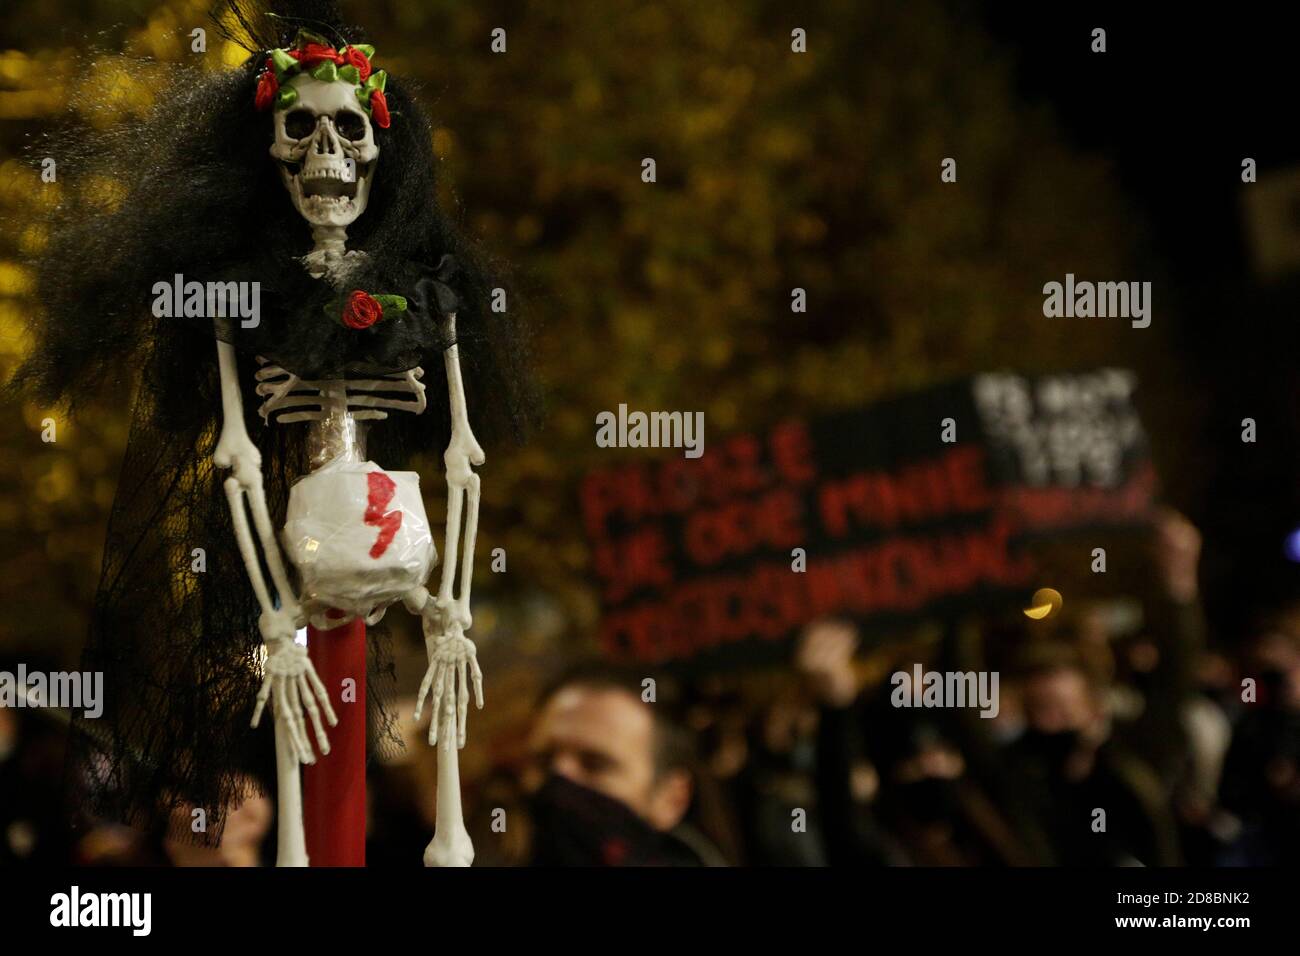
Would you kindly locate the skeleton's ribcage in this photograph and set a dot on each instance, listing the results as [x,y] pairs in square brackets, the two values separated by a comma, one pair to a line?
[357,535]
[288,398]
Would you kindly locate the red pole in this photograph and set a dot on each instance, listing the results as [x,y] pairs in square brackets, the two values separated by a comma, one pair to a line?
[334,788]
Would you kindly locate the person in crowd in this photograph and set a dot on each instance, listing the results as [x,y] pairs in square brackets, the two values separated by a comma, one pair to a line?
[892,788]
[1080,797]
[1261,775]
[244,838]
[613,778]
[775,795]
[1158,664]
[1116,735]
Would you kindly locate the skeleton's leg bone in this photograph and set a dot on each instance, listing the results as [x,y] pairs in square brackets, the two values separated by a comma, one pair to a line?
[451,845]
[291,843]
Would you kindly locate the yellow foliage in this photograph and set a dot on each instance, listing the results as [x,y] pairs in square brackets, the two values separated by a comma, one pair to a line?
[15,280]
[32,239]
[15,66]
[104,191]
[114,90]
[57,483]
[15,342]
[444,142]
[232,55]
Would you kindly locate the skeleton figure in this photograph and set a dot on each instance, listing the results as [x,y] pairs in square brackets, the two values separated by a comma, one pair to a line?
[310,173]
[325,147]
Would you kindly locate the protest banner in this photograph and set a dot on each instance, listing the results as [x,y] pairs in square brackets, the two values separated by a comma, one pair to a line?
[917,506]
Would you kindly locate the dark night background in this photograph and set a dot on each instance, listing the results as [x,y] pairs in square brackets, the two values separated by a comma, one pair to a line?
[1176,103]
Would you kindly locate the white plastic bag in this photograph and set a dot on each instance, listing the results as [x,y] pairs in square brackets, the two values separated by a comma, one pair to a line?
[359,538]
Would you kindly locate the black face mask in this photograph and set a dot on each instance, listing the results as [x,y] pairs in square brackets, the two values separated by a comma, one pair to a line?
[1272,688]
[928,801]
[1053,749]
[576,826]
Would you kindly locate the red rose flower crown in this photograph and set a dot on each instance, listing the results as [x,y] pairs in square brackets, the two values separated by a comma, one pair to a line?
[312,54]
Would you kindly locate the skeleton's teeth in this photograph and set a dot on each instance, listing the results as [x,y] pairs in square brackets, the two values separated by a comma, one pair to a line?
[328,184]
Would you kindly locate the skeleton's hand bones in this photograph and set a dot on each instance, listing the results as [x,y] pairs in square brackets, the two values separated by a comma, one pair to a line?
[453,664]
[292,678]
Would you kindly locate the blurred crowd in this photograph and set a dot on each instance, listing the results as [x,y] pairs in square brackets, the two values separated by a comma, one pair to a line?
[1121,737]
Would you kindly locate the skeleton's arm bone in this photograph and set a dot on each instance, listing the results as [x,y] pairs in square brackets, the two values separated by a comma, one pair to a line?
[453,661]
[244,537]
[236,450]
[447,617]
[462,452]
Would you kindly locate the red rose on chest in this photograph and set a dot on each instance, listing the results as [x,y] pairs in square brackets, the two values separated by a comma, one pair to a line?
[361,311]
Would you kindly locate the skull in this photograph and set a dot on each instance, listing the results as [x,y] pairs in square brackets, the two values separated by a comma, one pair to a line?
[325,147]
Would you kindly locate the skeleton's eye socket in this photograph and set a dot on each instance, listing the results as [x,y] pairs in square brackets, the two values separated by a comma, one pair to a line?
[299,124]
[350,125]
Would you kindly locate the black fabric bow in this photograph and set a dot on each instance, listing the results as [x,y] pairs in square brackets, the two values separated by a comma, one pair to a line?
[443,295]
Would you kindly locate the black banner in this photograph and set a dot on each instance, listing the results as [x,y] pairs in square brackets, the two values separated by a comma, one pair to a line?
[908,508]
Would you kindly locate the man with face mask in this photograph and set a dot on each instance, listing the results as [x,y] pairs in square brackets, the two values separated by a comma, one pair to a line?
[612,778]
[1084,801]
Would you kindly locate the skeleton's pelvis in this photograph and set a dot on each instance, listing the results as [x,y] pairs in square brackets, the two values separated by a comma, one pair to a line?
[359,538]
